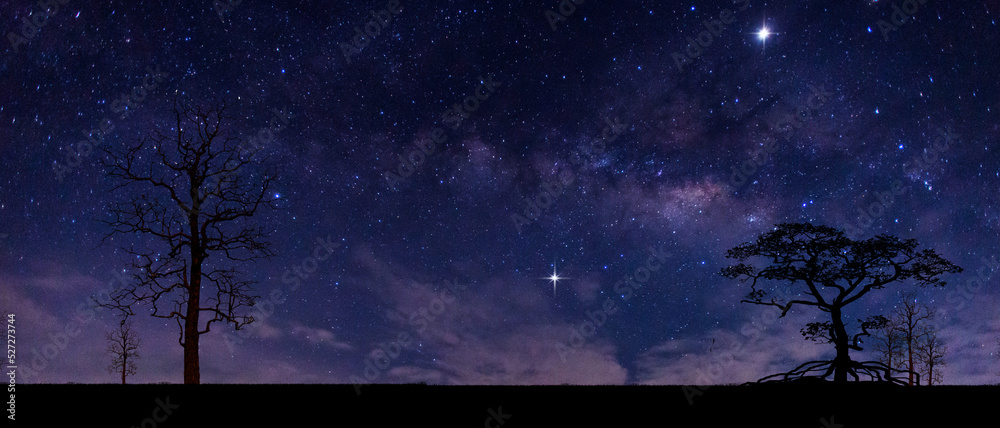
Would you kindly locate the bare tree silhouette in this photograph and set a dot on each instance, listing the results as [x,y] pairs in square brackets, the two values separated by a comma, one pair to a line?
[911,319]
[123,346]
[909,340]
[930,352]
[192,192]
[888,344]
[833,271]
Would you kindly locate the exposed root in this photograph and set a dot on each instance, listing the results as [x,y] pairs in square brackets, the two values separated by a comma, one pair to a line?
[874,370]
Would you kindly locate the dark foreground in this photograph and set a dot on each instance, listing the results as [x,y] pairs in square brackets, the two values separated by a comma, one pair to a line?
[805,406]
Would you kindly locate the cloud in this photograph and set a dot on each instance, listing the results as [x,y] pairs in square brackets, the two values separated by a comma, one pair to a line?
[971,357]
[60,335]
[524,357]
[586,287]
[473,337]
[732,358]
[318,336]
[264,329]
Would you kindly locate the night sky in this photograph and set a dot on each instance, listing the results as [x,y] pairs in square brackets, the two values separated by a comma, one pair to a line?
[590,141]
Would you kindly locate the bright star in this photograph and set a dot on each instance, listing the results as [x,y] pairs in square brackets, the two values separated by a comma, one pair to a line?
[763,34]
[554,278]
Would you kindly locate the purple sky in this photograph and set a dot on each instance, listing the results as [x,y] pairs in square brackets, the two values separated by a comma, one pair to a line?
[647,134]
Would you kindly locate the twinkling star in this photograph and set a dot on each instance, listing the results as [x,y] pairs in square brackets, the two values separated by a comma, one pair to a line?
[554,278]
[763,34]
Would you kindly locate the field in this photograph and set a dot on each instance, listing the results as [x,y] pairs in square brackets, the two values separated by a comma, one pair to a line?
[820,405]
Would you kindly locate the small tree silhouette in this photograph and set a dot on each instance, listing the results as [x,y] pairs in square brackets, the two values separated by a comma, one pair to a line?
[834,271]
[911,319]
[909,340]
[930,352]
[888,344]
[123,346]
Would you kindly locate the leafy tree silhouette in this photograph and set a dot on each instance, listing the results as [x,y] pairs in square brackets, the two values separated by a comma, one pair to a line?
[833,271]
[192,191]
[123,346]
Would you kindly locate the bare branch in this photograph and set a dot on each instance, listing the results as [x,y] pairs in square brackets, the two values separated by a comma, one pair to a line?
[123,345]
[192,191]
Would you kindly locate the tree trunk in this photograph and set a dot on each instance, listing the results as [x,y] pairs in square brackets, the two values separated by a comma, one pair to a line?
[909,352]
[192,367]
[124,366]
[192,370]
[842,361]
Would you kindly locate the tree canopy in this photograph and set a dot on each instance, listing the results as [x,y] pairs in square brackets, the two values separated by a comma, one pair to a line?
[191,192]
[831,271]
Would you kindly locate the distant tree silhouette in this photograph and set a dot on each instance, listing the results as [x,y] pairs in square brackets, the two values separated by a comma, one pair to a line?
[123,346]
[930,351]
[888,344]
[912,321]
[192,191]
[833,271]
[907,331]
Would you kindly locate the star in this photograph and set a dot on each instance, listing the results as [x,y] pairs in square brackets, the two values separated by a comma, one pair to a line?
[554,278]
[763,34]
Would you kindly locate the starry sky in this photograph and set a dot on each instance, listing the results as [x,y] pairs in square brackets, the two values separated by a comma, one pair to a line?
[435,173]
